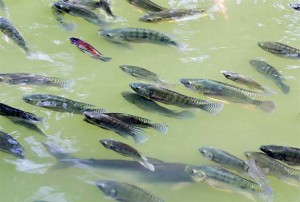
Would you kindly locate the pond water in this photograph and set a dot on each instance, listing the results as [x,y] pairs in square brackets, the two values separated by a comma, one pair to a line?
[219,41]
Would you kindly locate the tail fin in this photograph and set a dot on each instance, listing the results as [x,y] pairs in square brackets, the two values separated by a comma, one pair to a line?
[104,59]
[284,88]
[140,138]
[212,108]
[185,114]
[266,106]
[161,127]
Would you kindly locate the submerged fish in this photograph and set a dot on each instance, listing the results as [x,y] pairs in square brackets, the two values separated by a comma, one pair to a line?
[171,14]
[271,73]
[289,155]
[10,145]
[280,49]
[146,5]
[8,29]
[116,125]
[121,191]
[88,49]
[88,4]
[151,106]
[2,6]
[173,98]
[139,121]
[228,92]
[126,150]
[34,79]
[19,115]
[105,5]
[55,102]
[295,6]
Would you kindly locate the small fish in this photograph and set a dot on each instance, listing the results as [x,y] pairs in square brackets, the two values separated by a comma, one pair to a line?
[88,4]
[88,49]
[34,79]
[271,73]
[139,121]
[140,35]
[121,191]
[116,125]
[146,5]
[289,155]
[280,49]
[126,150]
[295,6]
[171,14]
[228,92]
[173,98]
[10,145]
[105,5]
[58,103]
[246,81]
[151,106]
[8,29]
[19,115]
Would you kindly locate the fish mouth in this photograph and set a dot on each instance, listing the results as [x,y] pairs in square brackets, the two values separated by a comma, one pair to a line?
[135,86]
[260,44]
[186,83]
[73,40]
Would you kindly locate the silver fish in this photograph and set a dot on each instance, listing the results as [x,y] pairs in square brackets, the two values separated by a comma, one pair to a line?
[10,145]
[280,49]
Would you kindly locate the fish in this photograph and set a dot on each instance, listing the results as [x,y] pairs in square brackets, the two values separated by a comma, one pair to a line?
[271,73]
[29,126]
[139,121]
[128,151]
[289,155]
[88,49]
[78,11]
[169,97]
[121,35]
[10,145]
[295,6]
[88,4]
[116,125]
[151,106]
[223,158]
[280,49]
[246,81]
[19,115]
[105,5]
[58,103]
[227,92]
[9,30]
[122,191]
[34,79]
[171,14]
[275,168]
[146,5]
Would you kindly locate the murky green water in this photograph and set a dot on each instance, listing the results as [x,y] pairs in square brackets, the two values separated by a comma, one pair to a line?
[214,44]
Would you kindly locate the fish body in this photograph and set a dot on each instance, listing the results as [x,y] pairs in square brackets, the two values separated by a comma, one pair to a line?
[121,191]
[173,98]
[8,29]
[280,49]
[116,125]
[228,92]
[271,73]
[19,115]
[88,49]
[295,6]
[58,103]
[88,4]
[146,5]
[10,145]
[289,155]
[128,151]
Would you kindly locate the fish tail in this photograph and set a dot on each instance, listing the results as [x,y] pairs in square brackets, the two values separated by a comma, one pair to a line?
[65,83]
[212,108]
[284,88]
[266,106]
[267,194]
[140,138]
[161,127]
[185,114]
[69,26]
[42,120]
[268,91]
[148,165]
[104,59]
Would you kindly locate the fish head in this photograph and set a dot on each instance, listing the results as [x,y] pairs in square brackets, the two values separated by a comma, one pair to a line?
[74,40]
[112,35]
[193,84]
[35,98]
[229,75]
[150,18]
[206,153]
[107,143]
[142,89]
[107,187]
[196,174]
[125,68]
[62,6]
[273,151]
[15,148]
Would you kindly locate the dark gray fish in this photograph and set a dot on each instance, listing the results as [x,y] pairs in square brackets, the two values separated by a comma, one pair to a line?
[295,6]
[19,115]
[34,79]
[289,155]
[8,29]
[105,5]
[139,121]
[88,4]
[122,191]
[10,145]
[116,125]
[128,151]
[151,106]
[271,73]
[146,5]
[169,97]
[280,49]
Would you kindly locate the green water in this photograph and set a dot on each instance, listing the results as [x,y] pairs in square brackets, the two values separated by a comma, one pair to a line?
[215,43]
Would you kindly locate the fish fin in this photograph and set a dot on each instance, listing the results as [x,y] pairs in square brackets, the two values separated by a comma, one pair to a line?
[266,106]
[105,59]
[154,160]
[212,108]
[284,88]
[56,151]
[265,170]
[268,91]
[69,26]
[140,138]
[182,46]
[96,110]
[161,127]
[148,165]
[42,120]
[185,114]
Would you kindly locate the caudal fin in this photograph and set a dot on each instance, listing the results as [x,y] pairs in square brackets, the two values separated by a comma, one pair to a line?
[104,59]
[266,106]
[140,138]
[284,88]
[185,114]
[160,127]
[212,108]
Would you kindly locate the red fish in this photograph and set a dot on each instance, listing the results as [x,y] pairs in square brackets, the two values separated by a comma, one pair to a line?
[88,49]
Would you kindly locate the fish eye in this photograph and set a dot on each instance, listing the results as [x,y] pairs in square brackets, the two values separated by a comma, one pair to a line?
[193,171]
[109,35]
[149,20]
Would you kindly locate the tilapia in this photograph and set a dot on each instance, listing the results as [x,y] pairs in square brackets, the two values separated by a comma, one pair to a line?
[295,6]
[58,103]
[280,49]
[169,97]
[8,29]
[34,79]
[10,145]
[271,73]
[223,91]
[289,155]
[128,151]
[88,4]
[116,125]
[146,5]
[122,191]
